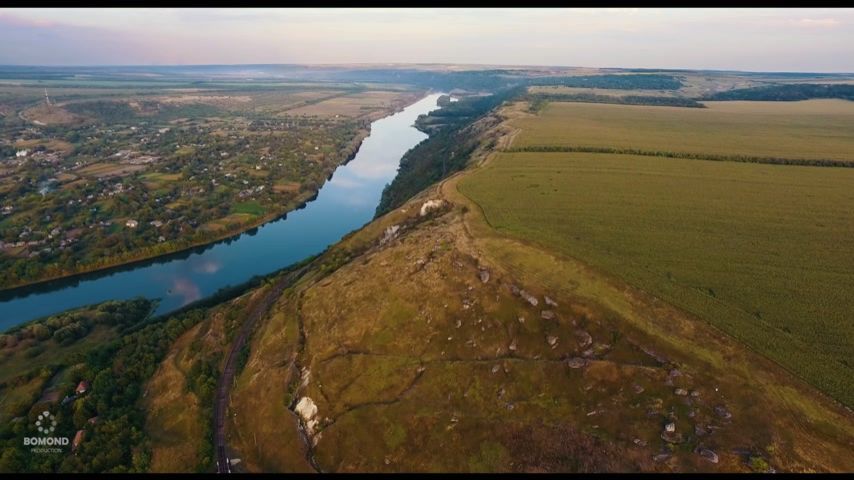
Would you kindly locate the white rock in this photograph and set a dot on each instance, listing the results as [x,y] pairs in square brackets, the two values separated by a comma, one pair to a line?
[430,205]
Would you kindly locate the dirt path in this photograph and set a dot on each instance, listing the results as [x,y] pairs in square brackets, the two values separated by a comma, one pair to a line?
[226,380]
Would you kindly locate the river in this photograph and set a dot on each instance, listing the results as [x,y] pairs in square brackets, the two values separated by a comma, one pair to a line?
[345,203]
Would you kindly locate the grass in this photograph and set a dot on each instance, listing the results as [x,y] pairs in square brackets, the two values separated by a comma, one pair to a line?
[754,249]
[109,170]
[174,422]
[810,129]
[251,207]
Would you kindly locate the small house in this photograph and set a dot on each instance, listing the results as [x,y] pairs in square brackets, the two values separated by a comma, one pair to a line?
[78,439]
[82,387]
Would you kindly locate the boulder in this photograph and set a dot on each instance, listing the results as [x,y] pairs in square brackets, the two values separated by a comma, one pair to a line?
[576,362]
[390,234]
[584,338]
[431,205]
[552,340]
[484,275]
[708,455]
[547,315]
[549,301]
[723,412]
[529,298]
[671,437]
[637,388]
[681,392]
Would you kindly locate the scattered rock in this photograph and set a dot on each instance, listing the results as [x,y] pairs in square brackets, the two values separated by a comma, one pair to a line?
[521,319]
[708,455]
[670,427]
[484,275]
[658,358]
[576,362]
[587,353]
[496,368]
[501,392]
[681,392]
[512,346]
[459,323]
[529,298]
[552,341]
[307,410]
[584,338]
[671,437]
[637,388]
[430,205]
[639,442]
[549,301]
[390,234]
[514,289]
[661,457]
[547,315]
[699,430]
[695,393]
[722,412]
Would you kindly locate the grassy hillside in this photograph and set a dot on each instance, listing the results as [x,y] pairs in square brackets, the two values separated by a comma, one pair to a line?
[423,353]
[810,129]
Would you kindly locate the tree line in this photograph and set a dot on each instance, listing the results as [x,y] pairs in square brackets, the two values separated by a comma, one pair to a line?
[687,155]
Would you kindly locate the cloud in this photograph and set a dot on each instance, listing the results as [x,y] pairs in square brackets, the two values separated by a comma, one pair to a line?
[746,39]
[818,22]
[187,289]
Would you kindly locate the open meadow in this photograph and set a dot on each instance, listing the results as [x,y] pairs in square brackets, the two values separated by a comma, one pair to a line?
[813,129]
[756,250]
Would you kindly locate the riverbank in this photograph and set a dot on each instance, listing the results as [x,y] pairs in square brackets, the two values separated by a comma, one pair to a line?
[174,247]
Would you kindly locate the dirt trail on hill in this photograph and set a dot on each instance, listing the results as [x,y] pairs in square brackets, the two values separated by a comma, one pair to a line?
[226,380]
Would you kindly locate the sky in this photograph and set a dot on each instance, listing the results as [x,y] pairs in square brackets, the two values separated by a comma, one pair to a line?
[811,40]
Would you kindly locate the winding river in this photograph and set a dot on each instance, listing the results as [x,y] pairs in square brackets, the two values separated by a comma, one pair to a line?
[345,203]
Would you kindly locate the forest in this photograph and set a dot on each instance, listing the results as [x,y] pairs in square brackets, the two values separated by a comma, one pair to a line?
[787,93]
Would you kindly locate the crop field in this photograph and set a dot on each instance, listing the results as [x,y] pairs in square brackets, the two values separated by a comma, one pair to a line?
[352,105]
[756,250]
[813,129]
[109,170]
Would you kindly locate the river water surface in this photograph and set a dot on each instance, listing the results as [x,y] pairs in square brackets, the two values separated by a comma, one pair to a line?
[344,203]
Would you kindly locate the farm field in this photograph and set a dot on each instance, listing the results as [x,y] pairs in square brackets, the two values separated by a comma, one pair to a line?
[756,250]
[813,129]
[352,105]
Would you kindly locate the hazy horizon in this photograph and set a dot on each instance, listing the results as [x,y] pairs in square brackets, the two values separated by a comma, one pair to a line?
[811,40]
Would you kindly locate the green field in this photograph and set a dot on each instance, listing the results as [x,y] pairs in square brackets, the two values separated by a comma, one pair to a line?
[815,129]
[251,207]
[760,251]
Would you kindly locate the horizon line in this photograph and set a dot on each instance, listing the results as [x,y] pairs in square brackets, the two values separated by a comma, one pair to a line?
[342,64]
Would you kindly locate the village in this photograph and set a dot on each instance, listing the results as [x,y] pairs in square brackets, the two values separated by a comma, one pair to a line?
[79,195]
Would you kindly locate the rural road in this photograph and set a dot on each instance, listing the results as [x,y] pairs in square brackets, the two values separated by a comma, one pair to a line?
[226,380]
